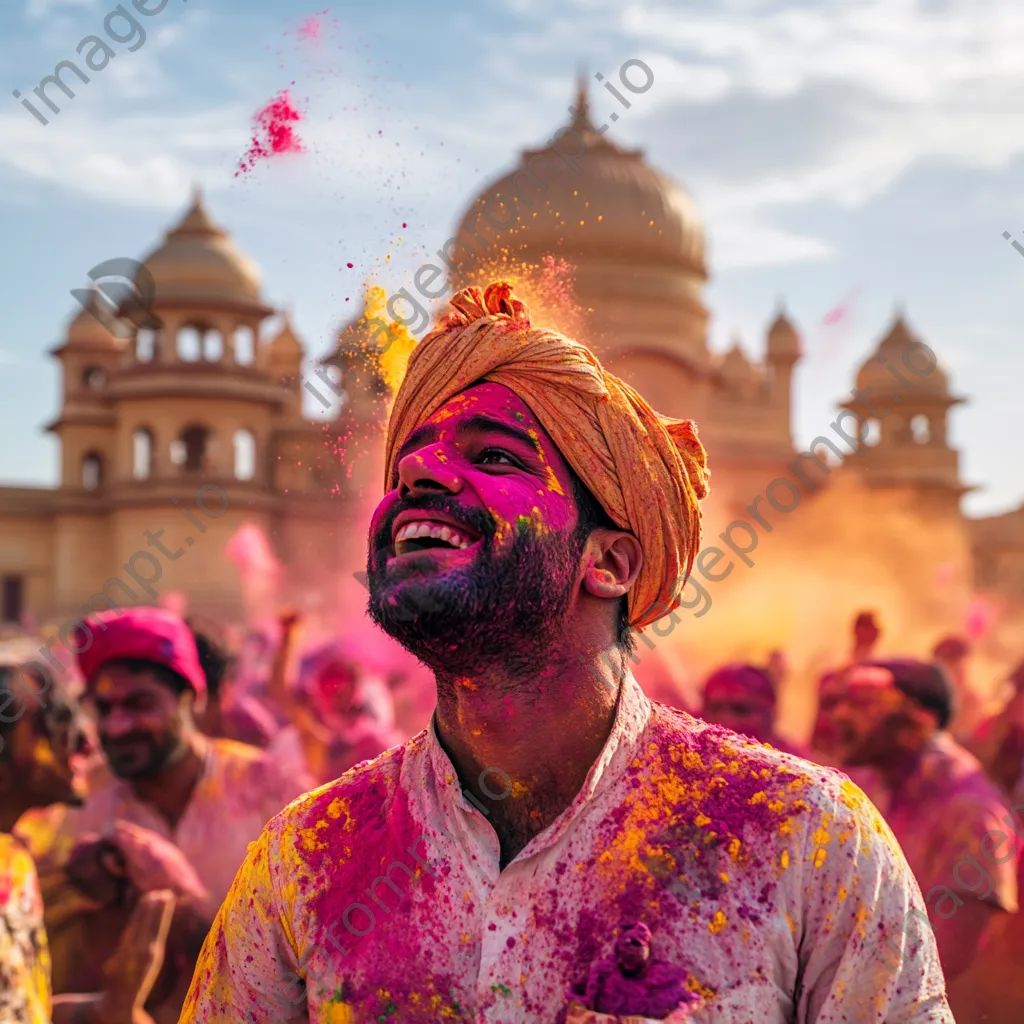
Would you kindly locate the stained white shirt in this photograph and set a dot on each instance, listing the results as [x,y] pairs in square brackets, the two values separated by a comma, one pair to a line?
[772,882]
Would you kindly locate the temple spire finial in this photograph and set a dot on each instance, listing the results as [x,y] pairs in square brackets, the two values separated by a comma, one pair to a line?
[581,109]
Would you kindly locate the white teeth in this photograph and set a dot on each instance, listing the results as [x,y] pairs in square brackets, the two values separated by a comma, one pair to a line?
[413,530]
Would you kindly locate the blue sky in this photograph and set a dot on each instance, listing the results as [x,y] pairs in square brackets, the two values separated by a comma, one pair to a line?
[870,149]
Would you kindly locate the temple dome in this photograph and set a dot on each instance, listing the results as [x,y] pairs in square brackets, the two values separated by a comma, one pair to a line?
[88,327]
[199,265]
[617,206]
[900,340]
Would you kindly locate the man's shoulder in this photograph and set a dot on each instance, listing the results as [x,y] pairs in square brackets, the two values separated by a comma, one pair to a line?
[755,783]
[363,792]
[958,792]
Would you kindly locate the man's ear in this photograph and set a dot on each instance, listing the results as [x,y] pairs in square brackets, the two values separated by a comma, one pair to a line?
[195,703]
[613,560]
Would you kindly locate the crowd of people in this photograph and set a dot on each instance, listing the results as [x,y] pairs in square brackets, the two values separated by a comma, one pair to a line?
[211,832]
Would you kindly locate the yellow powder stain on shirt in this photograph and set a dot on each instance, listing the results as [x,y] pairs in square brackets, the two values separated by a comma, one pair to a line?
[820,857]
[701,820]
[784,859]
[693,985]
[717,923]
[759,797]
[336,808]
[339,1013]
[792,926]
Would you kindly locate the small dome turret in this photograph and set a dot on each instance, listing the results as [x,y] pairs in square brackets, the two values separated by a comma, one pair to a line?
[783,339]
[903,349]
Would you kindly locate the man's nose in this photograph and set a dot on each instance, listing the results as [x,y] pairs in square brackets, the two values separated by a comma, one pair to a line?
[428,470]
[115,724]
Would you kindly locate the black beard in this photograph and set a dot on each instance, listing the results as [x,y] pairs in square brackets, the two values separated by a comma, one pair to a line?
[503,613]
[162,752]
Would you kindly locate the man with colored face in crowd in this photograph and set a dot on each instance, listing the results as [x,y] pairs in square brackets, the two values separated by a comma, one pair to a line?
[892,716]
[178,810]
[40,760]
[742,698]
[537,511]
[340,712]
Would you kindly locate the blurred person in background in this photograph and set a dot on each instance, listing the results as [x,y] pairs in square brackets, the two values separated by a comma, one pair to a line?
[866,634]
[742,698]
[998,736]
[825,733]
[229,713]
[177,810]
[341,713]
[892,716]
[952,654]
[41,751]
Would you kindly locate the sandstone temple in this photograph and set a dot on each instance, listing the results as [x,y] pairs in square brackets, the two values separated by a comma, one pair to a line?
[159,423]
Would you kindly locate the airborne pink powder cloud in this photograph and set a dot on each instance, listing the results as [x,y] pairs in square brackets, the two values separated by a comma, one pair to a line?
[273,132]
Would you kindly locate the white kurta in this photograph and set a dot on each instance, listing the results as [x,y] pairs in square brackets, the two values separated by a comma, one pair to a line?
[773,882]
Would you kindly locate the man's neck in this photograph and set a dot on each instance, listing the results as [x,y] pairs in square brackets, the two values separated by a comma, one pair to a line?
[544,738]
[169,792]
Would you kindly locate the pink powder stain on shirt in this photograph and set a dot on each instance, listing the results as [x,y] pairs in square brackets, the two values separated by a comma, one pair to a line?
[354,840]
[273,132]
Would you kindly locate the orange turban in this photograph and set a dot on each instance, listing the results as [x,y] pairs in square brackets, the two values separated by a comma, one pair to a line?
[648,471]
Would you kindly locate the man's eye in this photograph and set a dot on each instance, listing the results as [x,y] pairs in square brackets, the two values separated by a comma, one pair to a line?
[496,457]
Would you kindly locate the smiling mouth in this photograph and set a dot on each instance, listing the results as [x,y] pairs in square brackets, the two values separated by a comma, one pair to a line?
[428,534]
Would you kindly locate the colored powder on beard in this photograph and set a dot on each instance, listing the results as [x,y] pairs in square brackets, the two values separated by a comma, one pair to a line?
[273,132]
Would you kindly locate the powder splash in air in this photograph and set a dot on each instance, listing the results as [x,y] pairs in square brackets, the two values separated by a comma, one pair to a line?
[273,132]
[311,28]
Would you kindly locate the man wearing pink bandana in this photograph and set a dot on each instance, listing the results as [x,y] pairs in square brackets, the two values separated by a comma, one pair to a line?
[555,847]
[176,807]
[952,823]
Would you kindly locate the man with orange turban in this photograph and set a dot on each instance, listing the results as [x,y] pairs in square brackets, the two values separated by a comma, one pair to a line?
[555,847]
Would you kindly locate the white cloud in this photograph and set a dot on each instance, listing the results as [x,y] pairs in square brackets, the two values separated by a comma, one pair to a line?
[147,161]
[743,242]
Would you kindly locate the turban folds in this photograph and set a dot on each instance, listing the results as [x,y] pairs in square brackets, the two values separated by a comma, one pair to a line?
[648,471]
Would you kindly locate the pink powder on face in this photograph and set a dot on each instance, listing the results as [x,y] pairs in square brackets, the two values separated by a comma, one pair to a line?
[273,132]
[516,501]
